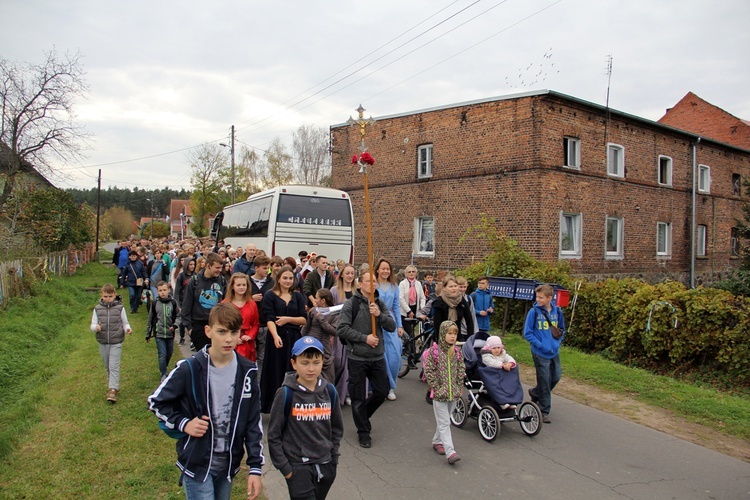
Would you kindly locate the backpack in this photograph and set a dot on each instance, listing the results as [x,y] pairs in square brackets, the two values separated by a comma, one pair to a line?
[289,395]
[176,433]
[157,268]
[433,348]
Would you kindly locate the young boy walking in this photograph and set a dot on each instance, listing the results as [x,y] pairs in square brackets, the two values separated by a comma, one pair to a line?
[542,319]
[161,325]
[110,324]
[306,425]
[483,304]
[213,398]
[444,370]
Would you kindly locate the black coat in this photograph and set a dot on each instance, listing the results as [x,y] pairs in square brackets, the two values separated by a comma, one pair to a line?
[463,312]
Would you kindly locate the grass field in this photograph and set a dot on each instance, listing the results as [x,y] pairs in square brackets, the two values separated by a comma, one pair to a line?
[61,439]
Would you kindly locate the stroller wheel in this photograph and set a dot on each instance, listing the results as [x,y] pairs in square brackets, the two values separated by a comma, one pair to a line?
[489,423]
[460,413]
[530,418]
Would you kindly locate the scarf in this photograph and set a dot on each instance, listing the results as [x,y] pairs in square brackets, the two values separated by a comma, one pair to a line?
[412,293]
[452,304]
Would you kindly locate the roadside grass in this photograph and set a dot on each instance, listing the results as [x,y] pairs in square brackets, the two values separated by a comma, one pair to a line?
[62,439]
[712,408]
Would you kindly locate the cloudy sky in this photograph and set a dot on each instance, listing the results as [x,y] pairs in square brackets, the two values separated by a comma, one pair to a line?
[166,75]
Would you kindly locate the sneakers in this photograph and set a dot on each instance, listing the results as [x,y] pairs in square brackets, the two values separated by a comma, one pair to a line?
[192,347]
[112,395]
[182,341]
[365,442]
[533,397]
[163,378]
[348,401]
[546,419]
[453,458]
[391,395]
[438,449]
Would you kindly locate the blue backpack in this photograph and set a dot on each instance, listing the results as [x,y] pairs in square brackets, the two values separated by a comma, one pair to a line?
[176,433]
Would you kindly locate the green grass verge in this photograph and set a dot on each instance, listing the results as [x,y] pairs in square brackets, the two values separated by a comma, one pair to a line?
[709,407]
[61,439]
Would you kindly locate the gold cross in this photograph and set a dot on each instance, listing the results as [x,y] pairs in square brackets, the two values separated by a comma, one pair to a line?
[362,122]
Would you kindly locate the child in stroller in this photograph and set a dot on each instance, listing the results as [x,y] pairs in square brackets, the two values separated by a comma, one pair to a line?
[494,355]
[493,395]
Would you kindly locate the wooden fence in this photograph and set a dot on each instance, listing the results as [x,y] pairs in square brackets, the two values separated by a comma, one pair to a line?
[42,267]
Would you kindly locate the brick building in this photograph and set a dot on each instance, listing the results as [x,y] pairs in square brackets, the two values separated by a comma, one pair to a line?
[608,191]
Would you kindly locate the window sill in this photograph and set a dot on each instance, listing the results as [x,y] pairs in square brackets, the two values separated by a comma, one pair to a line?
[571,256]
[425,255]
[616,176]
[571,167]
[614,257]
[663,257]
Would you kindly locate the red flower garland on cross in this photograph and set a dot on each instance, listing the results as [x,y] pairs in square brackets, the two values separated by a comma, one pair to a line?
[363,158]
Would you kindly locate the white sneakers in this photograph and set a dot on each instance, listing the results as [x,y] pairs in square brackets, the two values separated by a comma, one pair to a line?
[391,395]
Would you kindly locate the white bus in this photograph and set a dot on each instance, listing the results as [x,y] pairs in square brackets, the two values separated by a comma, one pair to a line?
[284,220]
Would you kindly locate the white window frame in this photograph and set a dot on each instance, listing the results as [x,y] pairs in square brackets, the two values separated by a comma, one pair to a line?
[665,227]
[571,160]
[577,239]
[419,232]
[668,180]
[701,241]
[617,253]
[620,167]
[425,173]
[704,179]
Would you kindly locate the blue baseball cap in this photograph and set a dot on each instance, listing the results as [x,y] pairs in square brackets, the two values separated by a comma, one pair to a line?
[306,343]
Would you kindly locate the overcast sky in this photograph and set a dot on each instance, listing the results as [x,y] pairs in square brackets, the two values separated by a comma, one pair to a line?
[166,76]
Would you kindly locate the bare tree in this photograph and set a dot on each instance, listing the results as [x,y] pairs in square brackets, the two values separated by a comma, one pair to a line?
[278,165]
[38,123]
[249,173]
[310,149]
[208,163]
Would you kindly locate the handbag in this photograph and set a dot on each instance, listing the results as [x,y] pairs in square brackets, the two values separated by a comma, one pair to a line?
[138,281]
[556,332]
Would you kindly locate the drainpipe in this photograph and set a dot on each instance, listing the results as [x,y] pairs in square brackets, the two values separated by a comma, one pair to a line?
[692,224]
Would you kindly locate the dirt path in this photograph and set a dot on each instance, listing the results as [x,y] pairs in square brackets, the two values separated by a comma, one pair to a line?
[650,416]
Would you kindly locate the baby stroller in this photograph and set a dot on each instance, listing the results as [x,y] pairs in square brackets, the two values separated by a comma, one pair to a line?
[488,390]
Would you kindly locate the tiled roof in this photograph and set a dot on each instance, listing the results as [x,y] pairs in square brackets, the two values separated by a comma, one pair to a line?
[700,117]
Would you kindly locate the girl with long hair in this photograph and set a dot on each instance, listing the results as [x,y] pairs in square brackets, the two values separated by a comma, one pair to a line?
[284,311]
[389,294]
[240,296]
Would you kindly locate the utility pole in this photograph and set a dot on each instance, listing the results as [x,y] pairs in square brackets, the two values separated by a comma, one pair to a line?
[231,151]
[231,154]
[98,207]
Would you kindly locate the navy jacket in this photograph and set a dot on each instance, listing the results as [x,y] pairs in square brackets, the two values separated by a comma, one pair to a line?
[173,403]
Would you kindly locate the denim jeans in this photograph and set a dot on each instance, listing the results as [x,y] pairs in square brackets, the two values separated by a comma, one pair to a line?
[217,486]
[164,350]
[548,374]
[135,297]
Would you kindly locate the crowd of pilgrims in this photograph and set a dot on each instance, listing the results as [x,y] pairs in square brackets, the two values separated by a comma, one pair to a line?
[281,300]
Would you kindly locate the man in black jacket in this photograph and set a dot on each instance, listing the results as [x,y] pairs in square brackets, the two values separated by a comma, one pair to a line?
[318,278]
[203,292]
[366,350]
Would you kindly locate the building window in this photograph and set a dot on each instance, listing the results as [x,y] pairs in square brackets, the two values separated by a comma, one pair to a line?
[424,236]
[700,244]
[424,161]
[663,239]
[704,179]
[735,242]
[736,185]
[615,160]
[665,170]
[570,235]
[571,152]
[613,237]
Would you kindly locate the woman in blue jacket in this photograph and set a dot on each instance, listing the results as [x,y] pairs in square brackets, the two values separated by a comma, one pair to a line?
[134,277]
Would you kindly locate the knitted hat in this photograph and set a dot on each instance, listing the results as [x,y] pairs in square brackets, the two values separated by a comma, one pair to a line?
[493,341]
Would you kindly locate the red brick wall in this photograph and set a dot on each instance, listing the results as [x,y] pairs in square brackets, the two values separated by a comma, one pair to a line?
[504,158]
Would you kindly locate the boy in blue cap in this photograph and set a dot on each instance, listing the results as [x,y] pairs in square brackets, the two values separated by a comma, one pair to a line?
[306,425]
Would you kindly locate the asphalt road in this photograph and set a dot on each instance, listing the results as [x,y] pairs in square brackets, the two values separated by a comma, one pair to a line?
[584,453]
